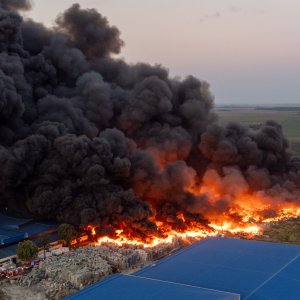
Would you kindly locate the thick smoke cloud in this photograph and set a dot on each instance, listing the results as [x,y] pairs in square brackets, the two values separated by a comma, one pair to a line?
[88,31]
[88,139]
[15,4]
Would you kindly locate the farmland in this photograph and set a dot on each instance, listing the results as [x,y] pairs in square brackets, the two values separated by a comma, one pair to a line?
[288,117]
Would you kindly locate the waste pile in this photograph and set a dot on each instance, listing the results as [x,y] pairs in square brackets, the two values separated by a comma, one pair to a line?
[83,266]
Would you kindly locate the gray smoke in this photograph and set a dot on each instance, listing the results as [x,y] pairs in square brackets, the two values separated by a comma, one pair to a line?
[15,4]
[88,139]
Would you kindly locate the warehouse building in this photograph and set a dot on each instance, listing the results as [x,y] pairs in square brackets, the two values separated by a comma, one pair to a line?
[127,287]
[13,230]
[240,269]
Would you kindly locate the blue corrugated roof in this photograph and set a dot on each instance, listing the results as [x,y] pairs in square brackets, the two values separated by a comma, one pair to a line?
[8,220]
[8,251]
[10,236]
[284,284]
[126,287]
[13,230]
[255,270]
[34,228]
[53,237]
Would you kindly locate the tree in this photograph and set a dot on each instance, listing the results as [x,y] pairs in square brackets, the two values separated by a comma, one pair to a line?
[43,242]
[27,250]
[66,232]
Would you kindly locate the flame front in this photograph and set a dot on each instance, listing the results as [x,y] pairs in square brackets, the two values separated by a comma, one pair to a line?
[247,215]
[168,238]
[194,233]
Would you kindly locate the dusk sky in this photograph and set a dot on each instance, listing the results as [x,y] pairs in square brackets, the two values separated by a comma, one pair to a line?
[249,51]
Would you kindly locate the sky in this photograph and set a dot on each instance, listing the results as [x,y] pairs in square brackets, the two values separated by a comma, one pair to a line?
[248,50]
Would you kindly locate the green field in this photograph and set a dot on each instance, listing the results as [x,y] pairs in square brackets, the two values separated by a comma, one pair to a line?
[289,119]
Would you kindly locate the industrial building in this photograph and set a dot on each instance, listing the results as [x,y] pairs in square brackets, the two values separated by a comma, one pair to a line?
[14,230]
[128,287]
[221,268]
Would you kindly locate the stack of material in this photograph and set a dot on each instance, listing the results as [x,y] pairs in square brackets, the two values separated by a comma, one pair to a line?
[162,250]
[81,267]
[136,258]
[123,258]
[86,265]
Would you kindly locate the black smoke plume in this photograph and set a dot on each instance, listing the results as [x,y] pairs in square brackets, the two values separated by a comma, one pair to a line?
[89,139]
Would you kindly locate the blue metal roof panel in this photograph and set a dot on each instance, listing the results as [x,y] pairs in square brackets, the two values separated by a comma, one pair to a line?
[10,236]
[34,228]
[126,287]
[13,230]
[8,251]
[285,284]
[7,220]
[239,266]
[53,237]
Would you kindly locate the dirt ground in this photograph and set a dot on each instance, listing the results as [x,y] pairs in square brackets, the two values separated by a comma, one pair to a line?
[15,292]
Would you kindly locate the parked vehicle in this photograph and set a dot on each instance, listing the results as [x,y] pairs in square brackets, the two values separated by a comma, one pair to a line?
[15,272]
[35,262]
[31,263]
[11,271]
[5,268]
[3,273]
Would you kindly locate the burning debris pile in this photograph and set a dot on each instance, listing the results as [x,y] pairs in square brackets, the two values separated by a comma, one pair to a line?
[87,139]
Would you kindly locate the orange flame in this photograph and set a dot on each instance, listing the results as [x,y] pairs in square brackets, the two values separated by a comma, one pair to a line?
[91,229]
[247,214]
[196,233]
